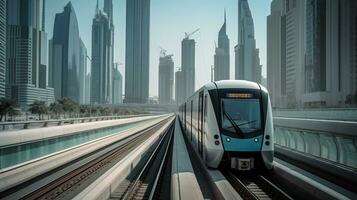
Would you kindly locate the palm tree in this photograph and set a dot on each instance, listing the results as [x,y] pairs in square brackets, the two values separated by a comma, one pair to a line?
[56,109]
[69,106]
[7,106]
[38,107]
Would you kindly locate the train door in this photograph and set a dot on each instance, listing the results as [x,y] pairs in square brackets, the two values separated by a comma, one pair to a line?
[200,123]
[191,107]
[184,117]
[204,123]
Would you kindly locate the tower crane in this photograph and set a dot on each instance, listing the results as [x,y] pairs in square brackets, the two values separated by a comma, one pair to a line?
[188,35]
[163,52]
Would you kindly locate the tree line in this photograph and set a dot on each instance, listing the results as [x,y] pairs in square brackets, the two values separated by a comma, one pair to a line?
[62,108]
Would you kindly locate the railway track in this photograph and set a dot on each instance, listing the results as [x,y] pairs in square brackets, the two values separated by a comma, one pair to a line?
[70,184]
[147,180]
[254,186]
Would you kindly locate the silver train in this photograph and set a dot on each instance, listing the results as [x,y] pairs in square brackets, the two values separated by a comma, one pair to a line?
[229,123]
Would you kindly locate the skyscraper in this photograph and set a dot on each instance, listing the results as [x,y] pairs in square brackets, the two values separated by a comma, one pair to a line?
[26,58]
[102,58]
[117,85]
[137,51]
[179,87]
[65,54]
[285,61]
[246,63]
[221,58]
[83,72]
[276,69]
[330,53]
[188,66]
[166,79]
[2,46]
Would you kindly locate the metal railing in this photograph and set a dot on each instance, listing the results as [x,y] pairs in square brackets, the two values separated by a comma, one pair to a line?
[334,141]
[58,122]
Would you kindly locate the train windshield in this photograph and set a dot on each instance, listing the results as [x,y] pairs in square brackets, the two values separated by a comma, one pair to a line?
[241,116]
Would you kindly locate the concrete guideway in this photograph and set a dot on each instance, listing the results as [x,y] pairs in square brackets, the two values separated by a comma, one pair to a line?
[213,179]
[306,185]
[184,184]
[16,176]
[105,185]
[24,146]
[18,125]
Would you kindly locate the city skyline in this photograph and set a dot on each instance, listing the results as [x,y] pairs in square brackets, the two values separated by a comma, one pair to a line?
[170,39]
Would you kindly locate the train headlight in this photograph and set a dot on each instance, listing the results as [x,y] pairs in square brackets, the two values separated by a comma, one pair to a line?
[256,139]
[216,142]
[216,137]
[228,139]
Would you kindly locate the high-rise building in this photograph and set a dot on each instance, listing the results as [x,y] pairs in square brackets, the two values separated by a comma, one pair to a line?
[166,79]
[65,54]
[315,53]
[137,51]
[285,59]
[276,52]
[221,58]
[2,46]
[188,66]
[83,72]
[245,66]
[117,85]
[330,53]
[102,58]
[179,87]
[26,58]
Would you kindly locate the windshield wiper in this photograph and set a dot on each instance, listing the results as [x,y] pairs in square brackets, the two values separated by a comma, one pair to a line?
[236,128]
[247,122]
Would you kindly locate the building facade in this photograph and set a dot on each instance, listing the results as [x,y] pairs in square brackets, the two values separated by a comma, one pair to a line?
[117,85]
[221,57]
[179,87]
[331,51]
[166,79]
[65,55]
[311,60]
[2,46]
[102,59]
[137,51]
[83,72]
[246,65]
[188,66]
[26,56]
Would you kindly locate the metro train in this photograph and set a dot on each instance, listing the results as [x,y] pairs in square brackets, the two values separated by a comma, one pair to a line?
[229,123]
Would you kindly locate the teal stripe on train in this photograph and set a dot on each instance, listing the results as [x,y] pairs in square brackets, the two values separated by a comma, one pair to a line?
[245,145]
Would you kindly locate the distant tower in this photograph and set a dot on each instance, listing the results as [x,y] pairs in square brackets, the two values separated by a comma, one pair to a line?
[166,79]
[188,66]
[246,66]
[26,58]
[117,85]
[102,59]
[179,87]
[65,49]
[137,51]
[221,58]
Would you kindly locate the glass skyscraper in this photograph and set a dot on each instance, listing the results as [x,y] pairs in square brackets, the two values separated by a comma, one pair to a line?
[26,58]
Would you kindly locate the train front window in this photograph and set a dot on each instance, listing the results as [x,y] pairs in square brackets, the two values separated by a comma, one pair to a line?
[241,116]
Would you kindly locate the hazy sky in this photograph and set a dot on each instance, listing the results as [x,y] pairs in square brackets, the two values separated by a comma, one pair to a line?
[170,19]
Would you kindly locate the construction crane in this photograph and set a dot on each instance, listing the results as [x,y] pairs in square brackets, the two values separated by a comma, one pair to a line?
[188,35]
[163,52]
